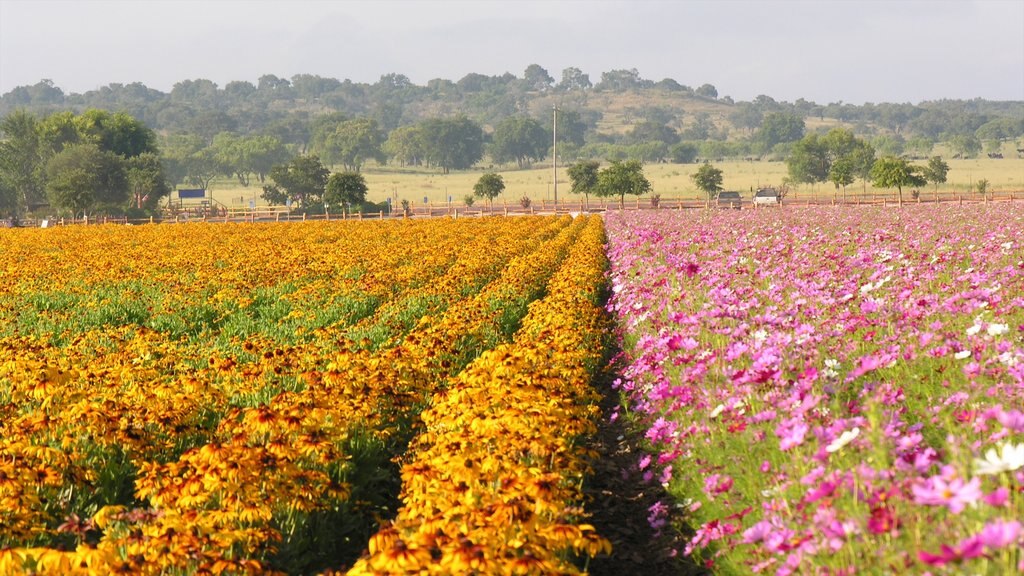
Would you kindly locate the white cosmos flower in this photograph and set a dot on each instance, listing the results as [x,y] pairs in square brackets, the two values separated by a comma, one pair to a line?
[718,410]
[844,439]
[1010,457]
[974,329]
[962,354]
[998,329]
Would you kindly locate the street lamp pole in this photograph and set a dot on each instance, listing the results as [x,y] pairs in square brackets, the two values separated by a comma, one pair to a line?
[554,153]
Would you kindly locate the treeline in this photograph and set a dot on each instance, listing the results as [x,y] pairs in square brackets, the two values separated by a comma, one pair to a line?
[123,147]
[286,108]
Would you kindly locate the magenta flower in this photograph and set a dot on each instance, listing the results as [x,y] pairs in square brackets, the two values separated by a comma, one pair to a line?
[1000,534]
[954,494]
[966,550]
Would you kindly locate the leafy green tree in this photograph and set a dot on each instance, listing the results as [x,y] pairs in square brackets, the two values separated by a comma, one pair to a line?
[708,179]
[707,91]
[345,189]
[188,159]
[649,131]
[809,161]
[841,173]
[537,78]
[354,142]
[888,145]
[8,200]
[302,180]
[890,171]
[573,79]
[778,128]
[489,186]
[621,178]
[22,159]
[118,132]
[965,145]
[455,143]
[982,186]
[572,129]
[245,156]
[747,116]
[146,180]
[683,153]
[583,177]
[82,178]
[407,145]
[936,171]
[521,139]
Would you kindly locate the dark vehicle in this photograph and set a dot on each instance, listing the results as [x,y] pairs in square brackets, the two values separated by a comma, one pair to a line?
[730,200]
[768,196]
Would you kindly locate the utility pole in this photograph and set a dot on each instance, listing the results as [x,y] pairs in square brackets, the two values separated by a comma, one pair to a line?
[554,153]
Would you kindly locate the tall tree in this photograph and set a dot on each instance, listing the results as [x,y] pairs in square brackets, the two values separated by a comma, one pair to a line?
[521,139]
[537,78]
[779,128]
[489,186]
[354,142]
[407,145]
[82,178]
[708,179]
[621,178]
[455,143]
[936,170]
[146,180]
[890,171]
[22,159]
[583,177]
[302,180]
[345,189]
[573,79]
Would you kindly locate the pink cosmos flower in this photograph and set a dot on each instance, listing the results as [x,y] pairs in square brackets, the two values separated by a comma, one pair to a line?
[954,494]
[970,548]
[1000,534]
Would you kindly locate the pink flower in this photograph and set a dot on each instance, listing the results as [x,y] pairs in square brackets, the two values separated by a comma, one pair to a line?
[954,494]
[792,433]
[1000,533]
[970,548]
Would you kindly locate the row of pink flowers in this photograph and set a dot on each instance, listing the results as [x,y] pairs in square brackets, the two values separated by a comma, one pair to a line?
[825,389]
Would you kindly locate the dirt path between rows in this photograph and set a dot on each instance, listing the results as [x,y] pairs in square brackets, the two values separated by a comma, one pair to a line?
[619,499]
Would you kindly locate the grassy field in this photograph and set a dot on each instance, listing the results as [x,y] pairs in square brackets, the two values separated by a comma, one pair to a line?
[669,180]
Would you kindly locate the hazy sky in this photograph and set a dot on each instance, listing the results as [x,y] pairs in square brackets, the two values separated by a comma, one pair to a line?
[825,51]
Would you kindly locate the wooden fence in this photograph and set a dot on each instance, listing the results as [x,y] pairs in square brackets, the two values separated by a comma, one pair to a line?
[597,205]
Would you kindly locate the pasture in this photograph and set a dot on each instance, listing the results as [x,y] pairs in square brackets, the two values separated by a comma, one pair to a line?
[669,180]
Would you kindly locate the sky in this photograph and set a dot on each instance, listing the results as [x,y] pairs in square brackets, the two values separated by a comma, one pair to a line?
[852,51]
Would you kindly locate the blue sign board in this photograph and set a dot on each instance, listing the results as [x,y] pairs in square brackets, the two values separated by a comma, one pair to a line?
[192,193]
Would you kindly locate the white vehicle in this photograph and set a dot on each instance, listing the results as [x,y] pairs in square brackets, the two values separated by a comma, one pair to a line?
[769,196]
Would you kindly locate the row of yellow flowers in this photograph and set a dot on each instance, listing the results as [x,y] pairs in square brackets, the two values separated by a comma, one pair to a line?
[494,482]
[148,451]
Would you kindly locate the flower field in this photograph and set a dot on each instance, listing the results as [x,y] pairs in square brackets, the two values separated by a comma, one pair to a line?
[251,399]
[830,391]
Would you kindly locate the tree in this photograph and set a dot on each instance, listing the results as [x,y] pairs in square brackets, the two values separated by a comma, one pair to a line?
[574,79]
[683,153]
[188,159]
[650,131]
[982,186]
[841,173]
[708,179]
[452,143]
[583,177]
[966,146]
[21,159]
[146,180]
[352,143]
[243,156]
[345,189]
[118,133]
[302,181]
[537,78]
[82,178]
[890,171]
[935,172]
[521,139]
[777,128]
[809,161]
[621,178]
[406,144]
[707,91]
[489,186]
